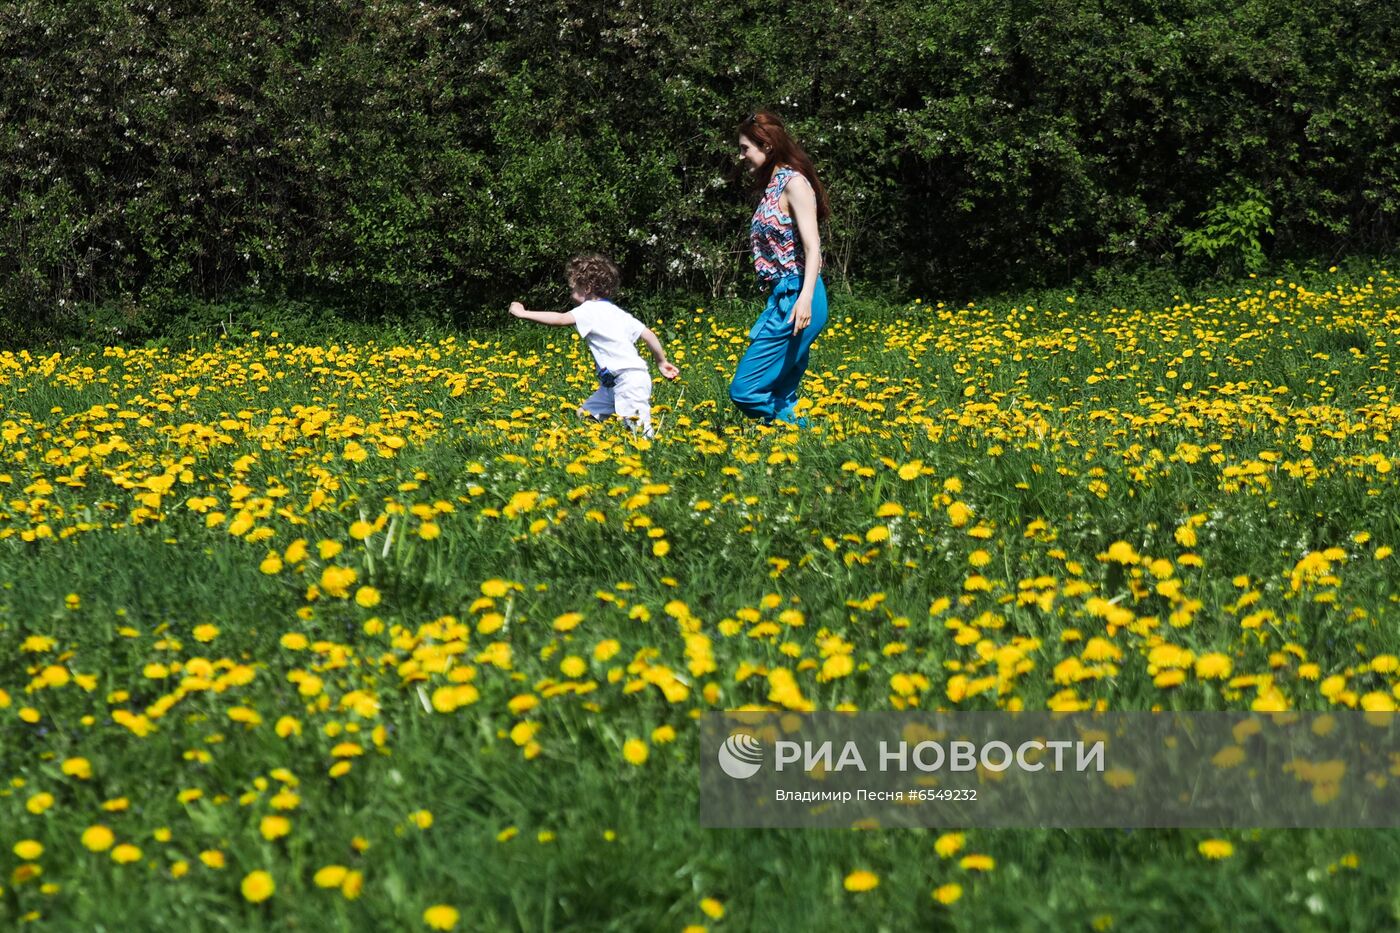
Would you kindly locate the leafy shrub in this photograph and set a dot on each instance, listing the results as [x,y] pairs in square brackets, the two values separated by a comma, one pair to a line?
[437,156]
[1232,229]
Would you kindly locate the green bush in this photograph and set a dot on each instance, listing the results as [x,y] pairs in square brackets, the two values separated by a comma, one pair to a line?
[437,156]
[1231,230]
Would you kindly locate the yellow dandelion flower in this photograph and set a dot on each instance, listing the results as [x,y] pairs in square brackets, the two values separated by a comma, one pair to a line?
[1171,678]
[79,768]
[440,917]
[29,849]
[568,621]
[1216,848]
[635,751]
[1119,778]
[335,581]
[331,876]
[125,854]
[257,886]
[98,838]
[1213,666]
[947,893]
[861,880]
[294,641]
[949,844]
[244,715]
[1228,757]
[26,872]
[1122,552]
[1378,702]
[274,827]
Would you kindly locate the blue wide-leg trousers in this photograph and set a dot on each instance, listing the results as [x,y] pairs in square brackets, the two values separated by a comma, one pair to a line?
[766,381]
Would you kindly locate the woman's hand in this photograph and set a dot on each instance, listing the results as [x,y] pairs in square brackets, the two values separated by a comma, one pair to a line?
[517,309]
[801,313]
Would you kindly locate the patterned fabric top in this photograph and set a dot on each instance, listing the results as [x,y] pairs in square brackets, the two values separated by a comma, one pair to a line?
[777,252]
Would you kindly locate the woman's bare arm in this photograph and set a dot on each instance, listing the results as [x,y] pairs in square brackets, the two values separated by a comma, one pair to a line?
[802,201]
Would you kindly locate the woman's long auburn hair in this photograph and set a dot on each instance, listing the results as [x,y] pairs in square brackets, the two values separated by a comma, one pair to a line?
[766,129]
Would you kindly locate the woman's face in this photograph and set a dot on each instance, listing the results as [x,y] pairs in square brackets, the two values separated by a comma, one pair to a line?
[751,152]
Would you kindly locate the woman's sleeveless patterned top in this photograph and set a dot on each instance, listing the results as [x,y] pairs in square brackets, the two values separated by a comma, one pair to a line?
[777,252]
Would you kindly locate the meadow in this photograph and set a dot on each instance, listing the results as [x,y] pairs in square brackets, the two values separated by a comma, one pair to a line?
[375,633]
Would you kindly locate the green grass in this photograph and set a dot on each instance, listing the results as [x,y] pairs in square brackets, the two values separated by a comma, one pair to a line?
[1061,431]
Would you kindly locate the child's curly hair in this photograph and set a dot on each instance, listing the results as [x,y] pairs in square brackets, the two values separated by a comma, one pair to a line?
[593,275]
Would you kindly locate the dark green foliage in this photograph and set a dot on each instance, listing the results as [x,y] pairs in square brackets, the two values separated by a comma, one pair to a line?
[434,156]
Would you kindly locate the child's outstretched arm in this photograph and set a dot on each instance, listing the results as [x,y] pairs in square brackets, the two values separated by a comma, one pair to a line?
[668,369]
[552,318]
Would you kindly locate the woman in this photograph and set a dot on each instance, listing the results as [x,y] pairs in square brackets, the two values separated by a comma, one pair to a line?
[787,257]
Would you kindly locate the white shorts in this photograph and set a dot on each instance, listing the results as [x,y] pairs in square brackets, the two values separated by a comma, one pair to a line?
[629,399]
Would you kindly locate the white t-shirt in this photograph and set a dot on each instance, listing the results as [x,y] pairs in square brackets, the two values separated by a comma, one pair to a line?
[611,334]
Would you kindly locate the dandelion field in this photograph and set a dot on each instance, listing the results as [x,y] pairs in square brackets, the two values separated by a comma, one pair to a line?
[378,635]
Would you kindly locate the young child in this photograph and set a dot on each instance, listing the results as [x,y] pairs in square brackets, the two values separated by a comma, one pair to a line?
[611,334]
